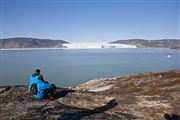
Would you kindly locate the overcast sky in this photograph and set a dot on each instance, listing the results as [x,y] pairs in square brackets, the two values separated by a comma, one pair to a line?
[90,20]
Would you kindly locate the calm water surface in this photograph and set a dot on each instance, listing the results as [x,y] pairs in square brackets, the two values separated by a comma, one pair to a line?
[72,66]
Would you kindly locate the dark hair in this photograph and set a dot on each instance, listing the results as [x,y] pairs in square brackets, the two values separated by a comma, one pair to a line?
[37,71]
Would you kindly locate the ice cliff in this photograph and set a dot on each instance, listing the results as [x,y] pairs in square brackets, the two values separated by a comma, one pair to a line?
[96,45]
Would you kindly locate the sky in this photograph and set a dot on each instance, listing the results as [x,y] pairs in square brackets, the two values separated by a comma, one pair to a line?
[90,20]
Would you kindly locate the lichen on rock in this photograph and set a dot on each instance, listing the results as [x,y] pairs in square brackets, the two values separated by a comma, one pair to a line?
[143,96]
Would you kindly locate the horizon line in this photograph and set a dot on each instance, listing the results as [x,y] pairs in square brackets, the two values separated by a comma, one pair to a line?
[91,1]
[93,41]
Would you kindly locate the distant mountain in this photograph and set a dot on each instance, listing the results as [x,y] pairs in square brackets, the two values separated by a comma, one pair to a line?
[9,43]
[142,43]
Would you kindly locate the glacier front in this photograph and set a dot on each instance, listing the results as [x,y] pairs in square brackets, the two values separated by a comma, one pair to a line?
[96,45]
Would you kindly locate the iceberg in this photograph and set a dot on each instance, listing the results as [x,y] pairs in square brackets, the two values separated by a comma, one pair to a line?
[96,45]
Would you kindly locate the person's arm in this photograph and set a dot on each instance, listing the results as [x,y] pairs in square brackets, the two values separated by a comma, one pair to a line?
[47,86]
[40,77]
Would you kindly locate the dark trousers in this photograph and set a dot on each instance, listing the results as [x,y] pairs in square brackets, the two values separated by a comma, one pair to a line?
[49,92]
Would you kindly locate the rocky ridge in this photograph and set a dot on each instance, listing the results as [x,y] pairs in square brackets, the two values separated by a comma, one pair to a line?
[145,96]
[12,43]
[142,43]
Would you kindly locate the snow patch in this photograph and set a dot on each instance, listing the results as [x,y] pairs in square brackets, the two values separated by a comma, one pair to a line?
[100,88]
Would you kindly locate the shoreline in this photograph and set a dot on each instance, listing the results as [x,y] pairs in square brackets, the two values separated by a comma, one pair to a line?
[100,79]
[29,49]
[24,49]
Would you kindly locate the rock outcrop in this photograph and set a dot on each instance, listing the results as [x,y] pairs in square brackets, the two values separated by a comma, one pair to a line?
[145,96]
[11,43]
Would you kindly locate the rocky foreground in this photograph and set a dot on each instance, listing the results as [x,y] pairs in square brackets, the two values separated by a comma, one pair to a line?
[143,96]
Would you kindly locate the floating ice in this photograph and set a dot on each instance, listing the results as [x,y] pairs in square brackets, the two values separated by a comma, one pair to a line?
[168,56]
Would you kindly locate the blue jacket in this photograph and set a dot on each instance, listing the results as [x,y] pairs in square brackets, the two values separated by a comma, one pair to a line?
[41,86]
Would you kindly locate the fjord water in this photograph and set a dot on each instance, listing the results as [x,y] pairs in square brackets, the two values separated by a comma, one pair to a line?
[68,67]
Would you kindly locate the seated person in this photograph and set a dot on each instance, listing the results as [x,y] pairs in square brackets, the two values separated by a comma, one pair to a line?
[43,88]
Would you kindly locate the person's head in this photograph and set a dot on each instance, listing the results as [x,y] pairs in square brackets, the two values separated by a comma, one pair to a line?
[37,72]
